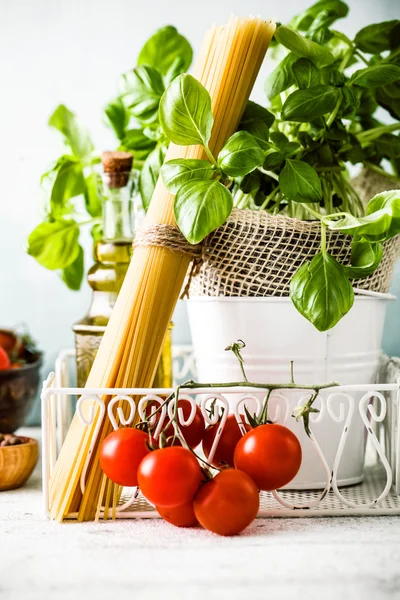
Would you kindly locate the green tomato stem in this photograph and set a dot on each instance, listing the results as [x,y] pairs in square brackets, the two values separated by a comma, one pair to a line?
[191,385]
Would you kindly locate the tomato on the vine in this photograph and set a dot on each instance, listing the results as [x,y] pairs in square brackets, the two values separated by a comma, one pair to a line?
[228,503]
[193,433]
[4,360]
[121,454]
[180,516]
[230,436]
[170,476]
[270,454]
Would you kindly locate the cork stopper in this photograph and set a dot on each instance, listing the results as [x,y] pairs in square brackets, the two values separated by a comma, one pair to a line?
[117,166]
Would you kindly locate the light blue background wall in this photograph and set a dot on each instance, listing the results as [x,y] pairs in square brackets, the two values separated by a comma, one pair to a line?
[72,52]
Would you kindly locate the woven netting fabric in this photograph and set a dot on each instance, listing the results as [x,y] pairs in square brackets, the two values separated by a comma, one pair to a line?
[257,254]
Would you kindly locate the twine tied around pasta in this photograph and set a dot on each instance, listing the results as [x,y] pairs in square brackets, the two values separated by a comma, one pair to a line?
[169,236]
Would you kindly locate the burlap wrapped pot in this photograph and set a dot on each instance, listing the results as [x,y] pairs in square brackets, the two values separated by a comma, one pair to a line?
[257,254]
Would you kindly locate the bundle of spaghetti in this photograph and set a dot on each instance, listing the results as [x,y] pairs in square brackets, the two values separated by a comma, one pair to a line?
[228,64]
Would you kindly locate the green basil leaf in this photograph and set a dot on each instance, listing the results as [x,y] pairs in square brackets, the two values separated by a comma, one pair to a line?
[177,67]
[94,195]
[309,104]
[301,46]
[117,117]
[388,145]
[388,202]
[385,98]
[291,148]
[306,73]
[350,99]
[141,91]
[254,113]
[280,140]
[319,31]
[55,245]
[365,259]
[281,77]
[200,207]
[163,48]
[331,76]
[260,132]
[72,275]
[305,20]
[381,223]
[377,76]
[321,291]
[321,35]
[149,174]
[185,112]
[300,182]
[138,143]
[395,41]
[240,155]
[76,136]
[375,38]
[68,183]
[250,183]
[273,160]
[176,172]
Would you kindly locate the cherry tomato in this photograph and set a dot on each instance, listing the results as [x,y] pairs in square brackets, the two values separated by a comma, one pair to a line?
[270,455]
[4,360]
[228,503]
[121,454]
[230,436]
[169,476]
[192,433]
[180,516]
[8,340]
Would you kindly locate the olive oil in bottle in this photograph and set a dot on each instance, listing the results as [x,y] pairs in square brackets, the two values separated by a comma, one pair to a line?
[112,254]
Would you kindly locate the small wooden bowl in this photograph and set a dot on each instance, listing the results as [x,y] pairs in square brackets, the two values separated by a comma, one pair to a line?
[17,463]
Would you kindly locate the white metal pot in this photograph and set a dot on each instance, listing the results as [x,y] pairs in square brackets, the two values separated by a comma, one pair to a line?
[275,333]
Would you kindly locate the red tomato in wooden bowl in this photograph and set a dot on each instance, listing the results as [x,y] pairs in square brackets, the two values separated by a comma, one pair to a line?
[270,455]
[5,362]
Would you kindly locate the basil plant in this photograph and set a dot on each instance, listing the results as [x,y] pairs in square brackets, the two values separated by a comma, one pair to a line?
[204,197]
[72,187]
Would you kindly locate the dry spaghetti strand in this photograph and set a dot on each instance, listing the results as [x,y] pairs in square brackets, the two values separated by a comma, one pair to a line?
[228,64]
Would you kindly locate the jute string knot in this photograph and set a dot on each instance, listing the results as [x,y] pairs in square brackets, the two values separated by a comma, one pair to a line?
[169,236]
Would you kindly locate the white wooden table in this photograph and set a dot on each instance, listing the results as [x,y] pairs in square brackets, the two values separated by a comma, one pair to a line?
[275,558]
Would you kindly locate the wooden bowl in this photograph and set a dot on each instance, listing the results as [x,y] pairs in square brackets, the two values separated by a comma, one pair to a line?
[18,390]
[17,463]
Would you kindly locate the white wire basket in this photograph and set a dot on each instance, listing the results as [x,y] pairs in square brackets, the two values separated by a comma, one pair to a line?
[377,405]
